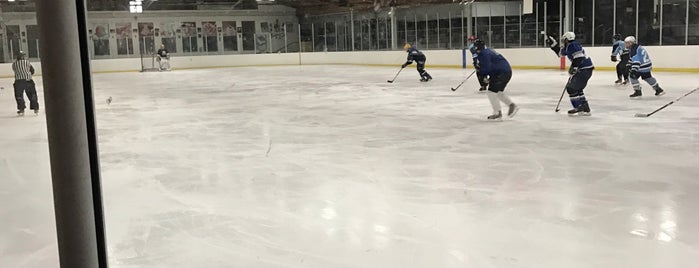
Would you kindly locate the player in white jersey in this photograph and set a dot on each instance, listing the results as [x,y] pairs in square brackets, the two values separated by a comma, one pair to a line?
[163,58]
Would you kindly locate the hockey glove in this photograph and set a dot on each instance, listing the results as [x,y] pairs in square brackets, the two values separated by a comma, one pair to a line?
[404,65]
[551,41]
[614,58]
[573,70]
[553,45]
[634,74]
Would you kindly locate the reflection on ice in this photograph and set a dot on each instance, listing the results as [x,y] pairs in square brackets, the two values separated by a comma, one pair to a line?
[330,166]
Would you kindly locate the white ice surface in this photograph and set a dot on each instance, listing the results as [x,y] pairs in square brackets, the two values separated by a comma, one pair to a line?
[330,166]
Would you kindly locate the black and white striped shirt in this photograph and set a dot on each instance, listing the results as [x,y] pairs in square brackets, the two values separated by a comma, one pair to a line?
[23,70]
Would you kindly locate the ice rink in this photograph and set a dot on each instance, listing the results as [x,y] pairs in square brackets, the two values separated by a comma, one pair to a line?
[331,166]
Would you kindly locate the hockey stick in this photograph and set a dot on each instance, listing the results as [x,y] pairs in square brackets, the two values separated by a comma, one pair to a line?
[462,82]
[558,105]
[394,78]
[668,104]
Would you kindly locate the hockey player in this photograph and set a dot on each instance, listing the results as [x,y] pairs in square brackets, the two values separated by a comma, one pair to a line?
[419,58]
[163,58]
[496,72]
[472,48]
[640,66]
[619,49]
[24,84]
[580,71]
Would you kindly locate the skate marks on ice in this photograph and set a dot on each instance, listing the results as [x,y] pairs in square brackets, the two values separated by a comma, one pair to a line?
[320,166]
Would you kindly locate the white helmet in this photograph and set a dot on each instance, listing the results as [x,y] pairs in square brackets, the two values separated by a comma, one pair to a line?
[570,36]
[630,39]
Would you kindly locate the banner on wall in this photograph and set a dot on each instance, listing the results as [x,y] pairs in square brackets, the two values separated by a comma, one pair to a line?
[262,43]
[100,39]
[167,30]
[100,32]
[209,28]
[528,7]
[189,29]
[145,29]
[123,30]
[229,28]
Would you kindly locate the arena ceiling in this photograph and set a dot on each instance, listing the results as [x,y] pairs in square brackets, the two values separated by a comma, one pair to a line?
[303,7]
[334,6]
[310,7]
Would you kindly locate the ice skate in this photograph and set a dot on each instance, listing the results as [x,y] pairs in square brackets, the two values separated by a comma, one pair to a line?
[20,113]
[513,109]
[658,91]
[582,110]
[578,112]
[482,89]
[618,82]
[573,111]
[36,111]
[495,116]
[636,94]
[626,82]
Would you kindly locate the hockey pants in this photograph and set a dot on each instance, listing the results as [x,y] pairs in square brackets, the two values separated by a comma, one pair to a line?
[648,77]
[22,86]
[576,85]
[421,70]
[621,69]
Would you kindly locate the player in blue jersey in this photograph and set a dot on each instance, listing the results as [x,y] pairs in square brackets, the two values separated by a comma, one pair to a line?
[419,58]
[619,49]
[640,66]
[580,71]
[474,55]
[497,73]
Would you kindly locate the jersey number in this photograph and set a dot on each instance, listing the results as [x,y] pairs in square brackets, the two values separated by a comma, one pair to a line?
[645,56]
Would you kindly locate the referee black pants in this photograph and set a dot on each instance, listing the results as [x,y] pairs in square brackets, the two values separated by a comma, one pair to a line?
[22,86]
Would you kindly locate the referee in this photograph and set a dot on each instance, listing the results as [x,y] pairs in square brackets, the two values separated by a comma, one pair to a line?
[24,83]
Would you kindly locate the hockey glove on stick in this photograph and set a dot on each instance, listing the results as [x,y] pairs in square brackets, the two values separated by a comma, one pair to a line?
[553,44]
[573,70]
[633,74]
[551,41]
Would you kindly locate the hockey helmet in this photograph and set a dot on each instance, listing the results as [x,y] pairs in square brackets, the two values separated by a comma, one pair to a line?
[630,39]
[472,38]
[569,36]
[21,55]
[407,46]
[479,44]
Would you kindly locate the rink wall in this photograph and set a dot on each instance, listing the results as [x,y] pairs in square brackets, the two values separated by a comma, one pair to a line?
[665,58]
